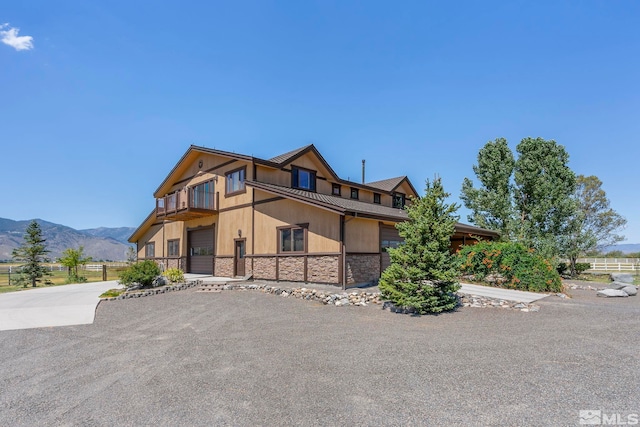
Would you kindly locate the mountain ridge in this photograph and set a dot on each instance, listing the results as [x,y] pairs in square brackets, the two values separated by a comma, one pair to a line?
[102,243]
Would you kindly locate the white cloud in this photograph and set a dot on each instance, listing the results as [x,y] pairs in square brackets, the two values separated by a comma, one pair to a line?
[9,36]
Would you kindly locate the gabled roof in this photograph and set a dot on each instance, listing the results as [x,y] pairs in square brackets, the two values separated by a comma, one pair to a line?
[333,203]
[148,222]
[284,158]
[387,184]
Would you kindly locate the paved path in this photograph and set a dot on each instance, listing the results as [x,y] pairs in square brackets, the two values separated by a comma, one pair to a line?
[52,306]
[505,294]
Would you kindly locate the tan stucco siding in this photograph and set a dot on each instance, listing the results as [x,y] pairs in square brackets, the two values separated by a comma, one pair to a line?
[323,232]
[230,222]
[405,189]
[274,176]
[153,234]
[361,235]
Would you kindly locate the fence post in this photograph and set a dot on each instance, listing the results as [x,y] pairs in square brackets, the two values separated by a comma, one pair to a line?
[104,272]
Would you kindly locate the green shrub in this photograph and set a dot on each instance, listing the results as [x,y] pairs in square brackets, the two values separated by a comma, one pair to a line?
[174,275]
[520,267]
[581,267]
[142,273]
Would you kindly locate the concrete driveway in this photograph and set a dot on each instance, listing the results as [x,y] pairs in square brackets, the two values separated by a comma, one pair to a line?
[52,306]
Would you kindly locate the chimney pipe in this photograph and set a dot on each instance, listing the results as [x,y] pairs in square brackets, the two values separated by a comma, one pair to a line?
[363,170]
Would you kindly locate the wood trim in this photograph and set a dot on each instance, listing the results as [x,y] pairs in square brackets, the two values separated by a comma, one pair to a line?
[223,256]
[273,199]
[363,253]
[294,254]
[232,208]
[189,178]
[235,258]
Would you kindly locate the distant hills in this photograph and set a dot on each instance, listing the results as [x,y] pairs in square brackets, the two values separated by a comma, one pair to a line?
[626,248]
[100,243]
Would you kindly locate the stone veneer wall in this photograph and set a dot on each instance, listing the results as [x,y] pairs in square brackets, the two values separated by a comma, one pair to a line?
[362,268]
[224,267]
[291,268]
[264,268]
[323,269]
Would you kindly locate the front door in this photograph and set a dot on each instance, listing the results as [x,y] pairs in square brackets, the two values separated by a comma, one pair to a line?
[239,258]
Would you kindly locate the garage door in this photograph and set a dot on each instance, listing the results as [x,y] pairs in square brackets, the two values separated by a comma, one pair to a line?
[200,251]
[389,238]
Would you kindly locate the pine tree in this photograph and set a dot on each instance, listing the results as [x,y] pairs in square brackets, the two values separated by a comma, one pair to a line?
[422,273]
[33,253]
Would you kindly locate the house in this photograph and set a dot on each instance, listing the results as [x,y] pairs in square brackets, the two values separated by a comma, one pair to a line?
[288,218]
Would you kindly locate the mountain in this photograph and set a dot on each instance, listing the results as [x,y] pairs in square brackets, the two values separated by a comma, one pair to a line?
[626,248]
[121,234]
[98,243]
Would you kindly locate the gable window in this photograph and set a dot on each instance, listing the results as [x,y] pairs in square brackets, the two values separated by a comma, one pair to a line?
[173,247]
[376,198]
[235,181]
[336,189]
[355,194]
[292,239]
[303,179]
[398,200]
[150,250]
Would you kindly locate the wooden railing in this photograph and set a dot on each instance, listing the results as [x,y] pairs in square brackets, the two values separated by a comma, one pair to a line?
[187,202]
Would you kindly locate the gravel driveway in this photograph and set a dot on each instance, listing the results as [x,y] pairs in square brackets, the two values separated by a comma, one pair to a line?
[246,358]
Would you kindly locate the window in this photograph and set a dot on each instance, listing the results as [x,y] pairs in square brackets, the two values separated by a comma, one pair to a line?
[376,198]
[398,200]
[336,189]
[202,196]
[292,239]
[235,181]
[150,250]
[173,247]
[303,179]
[355,193]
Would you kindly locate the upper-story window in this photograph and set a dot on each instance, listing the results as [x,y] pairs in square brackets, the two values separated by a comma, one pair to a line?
[303,179]
[376,198]
[398,200]
[235,181]
[336,189]
[355,194]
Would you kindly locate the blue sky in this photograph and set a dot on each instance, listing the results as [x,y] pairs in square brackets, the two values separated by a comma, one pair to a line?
[100,99]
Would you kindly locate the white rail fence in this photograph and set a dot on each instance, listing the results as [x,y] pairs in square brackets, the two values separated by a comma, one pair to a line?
[612,264]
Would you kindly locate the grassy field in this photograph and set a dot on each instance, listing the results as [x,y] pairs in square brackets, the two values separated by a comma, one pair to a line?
[58,277]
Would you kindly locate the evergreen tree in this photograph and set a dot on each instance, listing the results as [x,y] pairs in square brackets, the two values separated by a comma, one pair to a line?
[33,253]
[422,274]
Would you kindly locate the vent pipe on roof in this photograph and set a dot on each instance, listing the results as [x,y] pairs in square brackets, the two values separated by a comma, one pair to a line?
[363,170]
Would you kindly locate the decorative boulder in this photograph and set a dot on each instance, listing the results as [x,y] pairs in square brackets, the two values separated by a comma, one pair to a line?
[617,285]
[630,290]
[622,277]
[612,293]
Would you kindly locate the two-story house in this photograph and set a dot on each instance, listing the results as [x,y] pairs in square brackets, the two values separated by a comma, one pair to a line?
[288,218]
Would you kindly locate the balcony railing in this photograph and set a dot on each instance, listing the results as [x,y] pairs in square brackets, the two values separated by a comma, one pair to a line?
[185,204]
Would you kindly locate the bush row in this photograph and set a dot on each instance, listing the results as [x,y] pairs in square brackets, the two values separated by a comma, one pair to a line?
[509,265]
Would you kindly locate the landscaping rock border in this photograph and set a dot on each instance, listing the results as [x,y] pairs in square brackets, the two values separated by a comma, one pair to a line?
[139,293]
[338,299]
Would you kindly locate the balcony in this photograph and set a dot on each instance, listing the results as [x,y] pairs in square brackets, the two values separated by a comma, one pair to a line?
[188,203]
